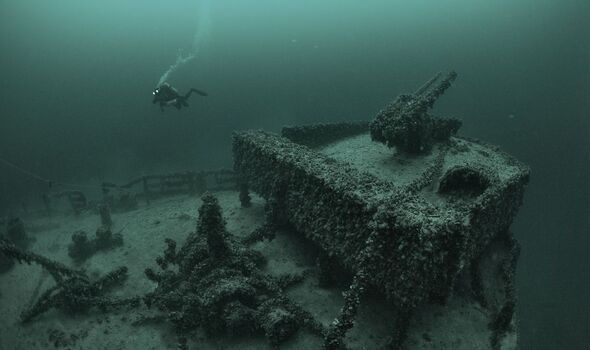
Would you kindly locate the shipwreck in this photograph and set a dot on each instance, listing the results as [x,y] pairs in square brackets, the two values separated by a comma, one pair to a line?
[401,203]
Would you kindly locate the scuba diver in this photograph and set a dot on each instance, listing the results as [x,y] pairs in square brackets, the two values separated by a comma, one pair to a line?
[166,95]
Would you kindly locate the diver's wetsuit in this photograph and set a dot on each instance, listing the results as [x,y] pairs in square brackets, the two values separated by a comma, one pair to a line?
[166,95]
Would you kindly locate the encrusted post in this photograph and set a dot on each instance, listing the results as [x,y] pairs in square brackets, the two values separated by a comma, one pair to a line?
[245,198]
[47,203]
[77,201]
[212,225]
[81,248]
[146,189]
[15,232]
[105,216]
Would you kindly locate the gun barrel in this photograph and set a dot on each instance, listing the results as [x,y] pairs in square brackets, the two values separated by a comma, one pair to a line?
[427,95]
[427,85]
[440,88]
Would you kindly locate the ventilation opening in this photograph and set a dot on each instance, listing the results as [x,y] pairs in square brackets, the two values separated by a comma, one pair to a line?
[463,182]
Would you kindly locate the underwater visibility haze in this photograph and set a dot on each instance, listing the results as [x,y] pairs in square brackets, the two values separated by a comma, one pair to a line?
[97,93]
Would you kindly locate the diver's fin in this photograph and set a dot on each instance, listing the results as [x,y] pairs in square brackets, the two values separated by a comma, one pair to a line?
[202,93]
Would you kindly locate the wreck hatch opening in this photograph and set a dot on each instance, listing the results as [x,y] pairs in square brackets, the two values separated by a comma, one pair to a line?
[463,182]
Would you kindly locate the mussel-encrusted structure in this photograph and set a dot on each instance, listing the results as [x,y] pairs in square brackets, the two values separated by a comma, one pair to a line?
[216,283]
[406,124]
[408,237]
[73,291]
[82,248]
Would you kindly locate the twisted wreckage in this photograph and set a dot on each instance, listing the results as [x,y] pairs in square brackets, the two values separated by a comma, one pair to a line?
[418,217]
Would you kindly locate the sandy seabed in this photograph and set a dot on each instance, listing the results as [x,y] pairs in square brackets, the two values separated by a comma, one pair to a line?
[460,324]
